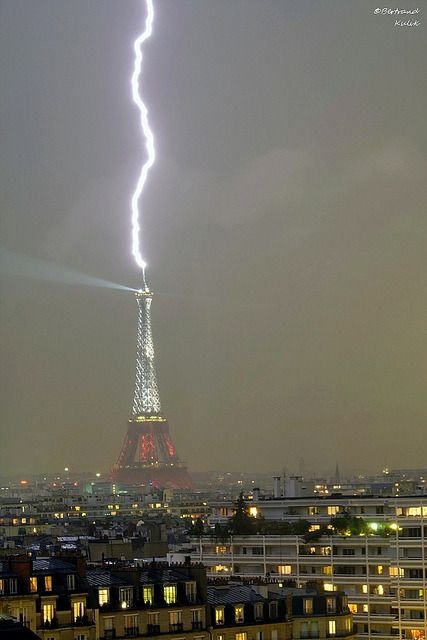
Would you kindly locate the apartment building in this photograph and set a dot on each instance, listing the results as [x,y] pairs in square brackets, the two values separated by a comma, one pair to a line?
[383,571]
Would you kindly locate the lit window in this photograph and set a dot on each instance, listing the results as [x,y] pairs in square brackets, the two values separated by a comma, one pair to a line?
[308,606]
[221,568]
[241,636]
[284,569]
[380,569]
[238,613]
[395,572]
[78,609]
[327,570]
[365,608]
[328,586]
[33,584]
[219,615]
[380,590]
[253,511]
[352,607]
[331,605]
[126,597]
[48,612]
[169,593]
[148,594]
[221,549]
[1,586]
[364,588]
[48,583]
[332,511]
[103,596]
[332,627]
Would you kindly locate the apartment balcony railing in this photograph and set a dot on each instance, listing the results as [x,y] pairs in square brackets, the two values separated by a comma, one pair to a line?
[153,629]
[109,634]
[197,625]
[176,626]
[131,632]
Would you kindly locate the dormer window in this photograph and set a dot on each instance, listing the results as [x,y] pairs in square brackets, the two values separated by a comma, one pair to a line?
[331,605]
[33,584]
[258,611]
[103,596]
[239,613]
[48,583]
[308,606]
[148,594]
[191,591]
[126,597]
[219,615]
[71,582]
[169,593]
[273,610]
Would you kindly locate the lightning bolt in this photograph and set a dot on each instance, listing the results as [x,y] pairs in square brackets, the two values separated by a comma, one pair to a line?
[146,131]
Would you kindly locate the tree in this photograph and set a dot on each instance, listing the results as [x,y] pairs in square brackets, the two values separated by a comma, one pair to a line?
[241,523]
[197,529]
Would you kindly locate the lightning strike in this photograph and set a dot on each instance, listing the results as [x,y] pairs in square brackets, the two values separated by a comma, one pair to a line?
[147,133]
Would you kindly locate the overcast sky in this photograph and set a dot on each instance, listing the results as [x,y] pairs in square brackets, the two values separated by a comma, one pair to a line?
[284,228]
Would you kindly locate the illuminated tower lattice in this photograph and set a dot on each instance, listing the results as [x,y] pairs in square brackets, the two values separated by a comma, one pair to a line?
[148,454]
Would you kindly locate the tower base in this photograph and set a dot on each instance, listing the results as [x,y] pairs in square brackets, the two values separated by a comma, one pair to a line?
[160,475]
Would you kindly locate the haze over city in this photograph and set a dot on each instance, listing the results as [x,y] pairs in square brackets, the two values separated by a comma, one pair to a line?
[283,223]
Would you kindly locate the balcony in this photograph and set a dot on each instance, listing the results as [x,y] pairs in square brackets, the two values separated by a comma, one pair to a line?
[176,626]
[109,634]
[131,632]
[197,625]
[153,629]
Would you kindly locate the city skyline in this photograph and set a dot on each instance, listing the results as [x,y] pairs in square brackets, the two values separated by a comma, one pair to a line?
[285,233]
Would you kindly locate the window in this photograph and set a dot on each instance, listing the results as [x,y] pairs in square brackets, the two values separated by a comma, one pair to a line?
[307,606]
[273,610]
[238,613]
[257,551]
[274,634]
[1,586]
[332,627]
[220,636]
[33,584]
[13,586]
[332,511]
[221,550]
[304,630]
[284,569]
[327,570]
[314,629]
[259,635]
[126,597]
[331,605]
[219,615]
[169,593]
[48,612]
[380,590]
[380,569]
[396,572]
[48,583]
[81,636]
[71,582]
[153,621]
[365,608]
[258,611]
[364,588]
[108,626]
[148,594]
[328,586]
[196,619]
[191,591]
[131,626]
[103,596]
[241,636]
[175,620]
[78,609]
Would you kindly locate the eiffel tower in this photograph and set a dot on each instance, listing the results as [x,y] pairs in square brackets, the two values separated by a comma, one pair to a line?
[148,455]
